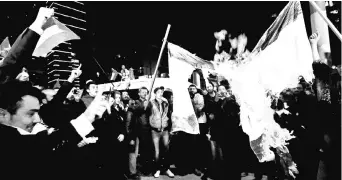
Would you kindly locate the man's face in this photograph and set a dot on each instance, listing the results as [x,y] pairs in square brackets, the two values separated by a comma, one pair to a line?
[143,93]
[123,67]
[117,98]
[26,115]
[299,88]
[92,90]
[233,43]
[159,94]
[125,95]
[210,88]
[222,91]
[192,90]
[24,76]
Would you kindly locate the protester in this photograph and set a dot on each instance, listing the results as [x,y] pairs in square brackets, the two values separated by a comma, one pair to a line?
[19,112]
[56,132]
[160,125]
[139,135]
[54,112]
[124,73]
[23,76]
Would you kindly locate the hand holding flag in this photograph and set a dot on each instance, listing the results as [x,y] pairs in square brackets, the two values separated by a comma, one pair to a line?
[43,15]
[54,34]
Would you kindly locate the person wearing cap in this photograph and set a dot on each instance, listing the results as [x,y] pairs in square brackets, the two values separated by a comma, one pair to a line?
[160,129]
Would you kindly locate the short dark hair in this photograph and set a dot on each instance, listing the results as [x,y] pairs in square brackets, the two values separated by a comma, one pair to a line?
[225,86]
[192,85]
[212,84]
[143,88]
[158,88]
[116,92]
[167,95]
[12,92]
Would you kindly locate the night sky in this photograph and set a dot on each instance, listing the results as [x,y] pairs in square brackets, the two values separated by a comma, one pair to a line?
[135,29]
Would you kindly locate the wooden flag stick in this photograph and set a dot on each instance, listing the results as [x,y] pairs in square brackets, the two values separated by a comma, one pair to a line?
[158,62]
[333,28]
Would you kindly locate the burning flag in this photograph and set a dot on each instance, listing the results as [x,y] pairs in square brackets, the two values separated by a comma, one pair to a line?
[280,57]
[54,34]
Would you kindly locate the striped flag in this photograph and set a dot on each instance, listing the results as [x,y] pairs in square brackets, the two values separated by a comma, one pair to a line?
[4,47]
[54,34]
[181,65]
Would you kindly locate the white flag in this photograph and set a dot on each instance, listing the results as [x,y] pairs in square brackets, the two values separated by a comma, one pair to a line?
[181,65]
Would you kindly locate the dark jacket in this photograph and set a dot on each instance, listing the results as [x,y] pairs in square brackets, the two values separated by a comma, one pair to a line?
[20,52]
[37,156]
[55,112]
[226,122]
[137,119]
[209,104]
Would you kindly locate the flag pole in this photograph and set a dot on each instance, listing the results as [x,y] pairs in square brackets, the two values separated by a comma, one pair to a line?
[158,62]
[333,28]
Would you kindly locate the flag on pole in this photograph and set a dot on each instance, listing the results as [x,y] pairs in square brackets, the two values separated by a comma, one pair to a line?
[4,47]
[181,65]
[54,34]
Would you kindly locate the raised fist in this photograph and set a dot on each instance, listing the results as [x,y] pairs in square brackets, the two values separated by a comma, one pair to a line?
[314,38]
[43,15]
[76,73]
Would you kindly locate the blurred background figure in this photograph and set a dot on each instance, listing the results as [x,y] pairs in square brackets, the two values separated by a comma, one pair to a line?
[23,75]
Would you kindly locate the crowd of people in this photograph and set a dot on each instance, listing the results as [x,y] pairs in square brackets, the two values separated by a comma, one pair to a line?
[110,135]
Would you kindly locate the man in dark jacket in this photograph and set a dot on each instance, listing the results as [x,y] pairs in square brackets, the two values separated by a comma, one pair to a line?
[26,152]
[139,134]
[226,133]
[55,112]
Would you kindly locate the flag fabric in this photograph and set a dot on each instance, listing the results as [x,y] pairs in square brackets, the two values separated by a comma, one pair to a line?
[279,58]
[54,34]
[181,65]
[4,47]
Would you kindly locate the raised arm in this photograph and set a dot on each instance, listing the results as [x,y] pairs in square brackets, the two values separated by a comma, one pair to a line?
[313,42]
[23,47]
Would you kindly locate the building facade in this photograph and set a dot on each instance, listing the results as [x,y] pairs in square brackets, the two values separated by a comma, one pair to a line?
[63,59]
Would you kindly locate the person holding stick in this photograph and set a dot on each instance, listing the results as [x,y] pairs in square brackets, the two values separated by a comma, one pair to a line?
[160,129]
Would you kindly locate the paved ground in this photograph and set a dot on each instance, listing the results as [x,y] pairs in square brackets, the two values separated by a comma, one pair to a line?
[194,177]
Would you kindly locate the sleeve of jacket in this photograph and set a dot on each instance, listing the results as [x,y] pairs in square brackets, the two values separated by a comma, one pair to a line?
[130,123]
[62,93]
[122,124]
[57,139]
[21,51]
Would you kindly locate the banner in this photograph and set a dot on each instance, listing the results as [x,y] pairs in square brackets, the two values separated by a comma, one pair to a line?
[181,65]
[54,34]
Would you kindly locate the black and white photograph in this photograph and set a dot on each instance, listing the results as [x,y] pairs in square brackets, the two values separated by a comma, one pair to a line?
[184,90]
